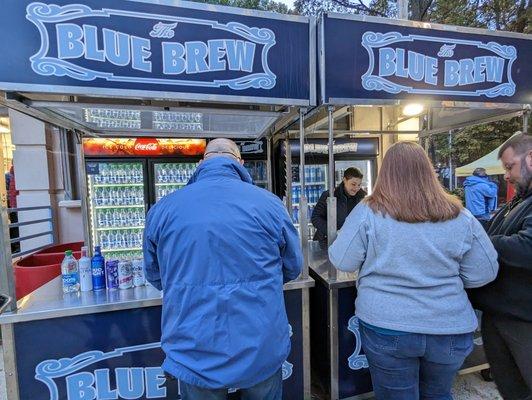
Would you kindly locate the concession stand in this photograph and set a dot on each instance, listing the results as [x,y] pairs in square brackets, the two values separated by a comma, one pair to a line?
[398,80]
[142,85]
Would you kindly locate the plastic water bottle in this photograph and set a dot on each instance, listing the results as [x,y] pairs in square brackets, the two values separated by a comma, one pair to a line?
[312,174]
[70,273]
[85,271]
[98,269]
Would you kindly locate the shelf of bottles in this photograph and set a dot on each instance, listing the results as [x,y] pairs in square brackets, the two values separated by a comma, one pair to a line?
[258,172]
[117,210]
[315,185]
[170,177]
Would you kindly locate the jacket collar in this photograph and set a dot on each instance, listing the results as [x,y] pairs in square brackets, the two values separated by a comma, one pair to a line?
[220,167]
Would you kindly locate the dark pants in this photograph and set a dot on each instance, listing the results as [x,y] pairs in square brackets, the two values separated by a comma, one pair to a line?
[414,366]
[270,389]
[508,346]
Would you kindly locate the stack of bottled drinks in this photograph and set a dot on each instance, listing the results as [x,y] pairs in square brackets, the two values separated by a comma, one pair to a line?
[119,196]
[174,173]
[119,173]
[96,273]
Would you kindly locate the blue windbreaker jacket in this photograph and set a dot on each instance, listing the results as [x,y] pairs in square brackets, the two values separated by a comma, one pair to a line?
[220,249]
[480,196]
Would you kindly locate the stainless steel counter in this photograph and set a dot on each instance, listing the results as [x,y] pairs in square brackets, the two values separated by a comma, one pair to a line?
[48,301]
[320,266]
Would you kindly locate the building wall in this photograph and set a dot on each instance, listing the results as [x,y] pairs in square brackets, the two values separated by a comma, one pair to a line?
[39,180]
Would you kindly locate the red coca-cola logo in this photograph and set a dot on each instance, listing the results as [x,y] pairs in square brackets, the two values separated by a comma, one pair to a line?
[146,146]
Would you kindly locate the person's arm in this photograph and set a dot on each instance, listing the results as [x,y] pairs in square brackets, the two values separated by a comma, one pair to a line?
[319,214]
[149,247]
[516,250]
[290,248]
[348,252]
[492,201]
[478,265]
[488,189]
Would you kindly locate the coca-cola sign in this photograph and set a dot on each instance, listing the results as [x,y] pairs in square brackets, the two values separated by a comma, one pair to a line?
[146,146]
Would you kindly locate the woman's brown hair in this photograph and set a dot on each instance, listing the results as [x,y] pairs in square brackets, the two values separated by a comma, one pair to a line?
[407,188]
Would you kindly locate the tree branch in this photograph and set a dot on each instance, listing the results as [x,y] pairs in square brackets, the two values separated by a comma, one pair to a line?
[359,7]
[425,10]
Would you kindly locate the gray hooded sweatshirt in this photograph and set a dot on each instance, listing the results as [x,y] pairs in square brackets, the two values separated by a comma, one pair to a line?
[412,275]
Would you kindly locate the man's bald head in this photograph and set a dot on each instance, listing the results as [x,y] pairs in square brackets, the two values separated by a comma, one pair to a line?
[222,148]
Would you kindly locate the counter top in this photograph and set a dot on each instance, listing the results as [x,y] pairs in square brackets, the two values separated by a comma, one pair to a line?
[48,301]
[320,266]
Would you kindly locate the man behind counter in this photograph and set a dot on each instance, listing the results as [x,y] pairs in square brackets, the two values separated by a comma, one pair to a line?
[348,194]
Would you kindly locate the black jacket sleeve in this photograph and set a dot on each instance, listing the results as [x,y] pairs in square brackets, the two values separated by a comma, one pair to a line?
[319,215]
[515,250]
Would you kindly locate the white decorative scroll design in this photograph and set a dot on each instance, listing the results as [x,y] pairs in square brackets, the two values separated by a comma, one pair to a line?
[356,360]
[40,14]
[375,40]
[48,370]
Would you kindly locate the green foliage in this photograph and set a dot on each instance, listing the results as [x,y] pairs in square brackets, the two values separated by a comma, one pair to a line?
[469,144]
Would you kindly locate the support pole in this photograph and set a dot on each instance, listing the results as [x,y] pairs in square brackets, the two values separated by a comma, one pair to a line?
[288,156]
[7,277]
[331,201]
[451,160]
[303,202]
[84,192]
[402,8]
[269,174]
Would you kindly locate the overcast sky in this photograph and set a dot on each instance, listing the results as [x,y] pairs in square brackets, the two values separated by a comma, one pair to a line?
[289,3]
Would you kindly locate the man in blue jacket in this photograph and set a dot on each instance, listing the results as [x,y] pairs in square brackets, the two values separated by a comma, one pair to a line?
[480,195]
[220,249]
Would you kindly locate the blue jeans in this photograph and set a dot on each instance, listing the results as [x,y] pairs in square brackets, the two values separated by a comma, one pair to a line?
[414,366]
[270,389]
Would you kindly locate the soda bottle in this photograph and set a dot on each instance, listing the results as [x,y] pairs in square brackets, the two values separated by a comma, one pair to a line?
[98,269]
[70,273]
[85,271]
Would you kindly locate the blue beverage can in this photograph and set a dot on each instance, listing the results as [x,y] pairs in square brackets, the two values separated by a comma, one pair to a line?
[98,270]
[111,272]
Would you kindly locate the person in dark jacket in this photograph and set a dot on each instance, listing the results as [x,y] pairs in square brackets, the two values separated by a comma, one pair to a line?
[507,302]
[480,195]
[348,194]
[220,249]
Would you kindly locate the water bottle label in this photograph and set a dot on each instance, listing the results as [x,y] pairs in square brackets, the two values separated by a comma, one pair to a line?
[70,279]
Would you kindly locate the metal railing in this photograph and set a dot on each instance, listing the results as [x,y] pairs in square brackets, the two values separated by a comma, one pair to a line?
[50,231]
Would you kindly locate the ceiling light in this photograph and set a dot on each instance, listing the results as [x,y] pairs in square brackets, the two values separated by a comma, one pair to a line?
[412,109]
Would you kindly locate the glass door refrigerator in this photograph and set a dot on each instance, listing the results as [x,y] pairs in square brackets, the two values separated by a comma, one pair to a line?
[117,205]
[353,152]
[316,179]
[125,176]
[170,175]
[365,166]
[254,154]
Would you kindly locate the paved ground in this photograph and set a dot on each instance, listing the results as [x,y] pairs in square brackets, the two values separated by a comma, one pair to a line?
[468,387]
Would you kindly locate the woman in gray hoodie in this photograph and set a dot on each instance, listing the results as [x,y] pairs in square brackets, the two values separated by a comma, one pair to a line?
[416,249]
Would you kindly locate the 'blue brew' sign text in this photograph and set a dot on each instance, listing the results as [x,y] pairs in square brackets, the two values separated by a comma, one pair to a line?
[78,40]
[430,69]
[156,50]
[379,59]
